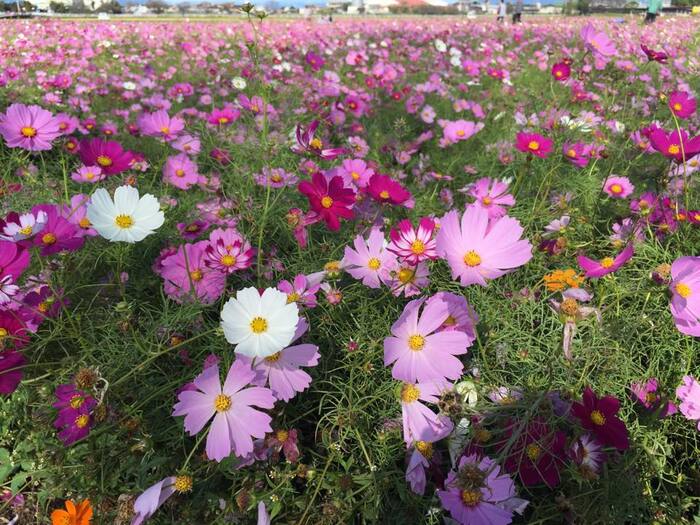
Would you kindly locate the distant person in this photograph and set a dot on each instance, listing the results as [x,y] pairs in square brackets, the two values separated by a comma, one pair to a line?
[652,11]
[501,11]
[518,12]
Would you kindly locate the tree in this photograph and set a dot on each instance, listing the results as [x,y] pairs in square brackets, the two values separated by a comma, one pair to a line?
[58,7]
[184,7]
[157,6]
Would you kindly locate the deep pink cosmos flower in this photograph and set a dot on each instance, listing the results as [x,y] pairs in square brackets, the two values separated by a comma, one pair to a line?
[160,124]
[479,494]
[413,245]
[74,413]
[606,265]
[618,187]
[492,195]
[235,422]
[42,303]
[689,394]
[418,350]
[11,364]
[578,154]
[685,301]
[228,251]
[384,189]
[674,145]
[534,143]
[28,127]
[536,454]
[682,104]
[14,259]
[13,330]
[419,422]
[308,143]
[646,394]
[561,71]
[58,233]
[282,370]
[478,249]
[187,276]
[370,259]
[224,116]
[654,56]
[600,417]
[180,171]
[107,154]
[330,199]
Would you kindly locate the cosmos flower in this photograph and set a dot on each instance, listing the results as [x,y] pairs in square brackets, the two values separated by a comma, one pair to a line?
[89,174]
[479,250]
[307,142]
[561,71]
[160,124]
[418,351]
[235,421]
[302,290]
[599,415]
[187,276]
[646,394]
[224,116]
[689,394]
[419,422]
[330,199]
[180,171]
[386,190]
[413,245]
[259,325]
[685,299]
[578,154]
[420,454]
[228,251]
[459,130]
[58,234]
[152,498]
[594,269]
[491,194]
[587,453]
[597,42]
[356,172]
[674,145]
[107,154]
[533,143]
[80,514]
[618,187]
[17,227]
[682,104]
[369,258]
[11,364]
[28,127]
[654,56]
[128,218]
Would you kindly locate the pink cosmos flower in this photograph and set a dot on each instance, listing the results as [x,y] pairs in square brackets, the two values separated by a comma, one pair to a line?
[597,42]
[685,301]
[187,276]
[76,213]
[460,314]
[28,127]
[180,171]
[478,249]
[406,279]
[646,394]
[578,154]
[308,143]
[420,455]
[356,172]
[419,422]
[595,269]
[11,363]
[275,178]
[187,144]
[107,154]
[492,195]
[369,259]
[152,498]
[282,370]
[689,394]
[674,145]
[302,290]
[228,251]
[384,189]
[459,130]
[330,199]
[160,124]
[89,174]
[67,124]
[418,350]
[413,245]
[618,187]
[533,143]
[561,71]
[224,116]
[17,227]
[286,441]
[682,104]
[235,422]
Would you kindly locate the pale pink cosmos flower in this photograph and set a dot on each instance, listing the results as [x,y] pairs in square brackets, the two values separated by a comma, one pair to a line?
[492,195]
[369,258]
[235,421]
[24,226]
[478,249]
[89,174]
[689,394]
[187,277]
[413,245]
[685,301]
[406,279]
[618,187]
[419,422]
[187,144]
[160,124]
[457,131]
[180,171]
[355,172]
[301,291]
[461,315]
[418,350]
[597,42]
[28,127]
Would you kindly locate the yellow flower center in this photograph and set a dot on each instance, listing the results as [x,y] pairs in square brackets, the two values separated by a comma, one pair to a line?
[89,175]
[3,333]
[482,435]
[416,342]
[274,357]
[486,201]
[460,133]
[616,188]
[48,238]
[27,230]
[124,221]
[316,143]
[598,418]
[276,177]
[180,172]
[569,306]
[607,262]
[104,161]
[165,130]
[677,106]
[533,145]
[425,448]
[82,421]
[409,393]
[355,175]
[650,397]
[471,498]
[571,153]
[282,436]
[76,401]
[384,194]
[196,275]
[222,403]
[326,202]
[683,290]
[406,275]
[292,297]
[183,484]
[558,74]
[28,132]
[471,258]
[533,451]
[258,325]
[223,120]
[674,149]
[228,260]
[418,247]
[84,223]
[374,263]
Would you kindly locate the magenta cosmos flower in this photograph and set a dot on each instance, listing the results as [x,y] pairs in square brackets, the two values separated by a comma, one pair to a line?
[187,276]
[675,145]
[578,154]
[417,347]
[180,171]
[689,394]
[413,245]
[533,143]
[478,494]
[386,190]
[561,71]
[419,422]
[685,301]
[283,369]
[478,249]
[28,127]
[606,265]
[330,199]
[308,143]
[235,422]
[370,259]
[492,195]
[58,233]
[600,417]
[682,104]
[618,187]
[646,393]
[11,363]
[14,259]
[107,154]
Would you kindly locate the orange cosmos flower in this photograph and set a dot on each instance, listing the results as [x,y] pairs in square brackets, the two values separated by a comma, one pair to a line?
[73,515]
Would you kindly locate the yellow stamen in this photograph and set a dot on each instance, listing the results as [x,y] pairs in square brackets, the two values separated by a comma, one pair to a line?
[471,498]
[425,448]
[374,263]
[471,258]
[258,325]
[326,202]
[274,357]
[683,290]
[82,421]
[418,247]
[183,484]
[409,393]
[228,260]
[533,145]
[416,342]
[28,132]
[104,161]
[597,418]
[607,262]
[222,403]
[48,238]
[196,275]
[124,221]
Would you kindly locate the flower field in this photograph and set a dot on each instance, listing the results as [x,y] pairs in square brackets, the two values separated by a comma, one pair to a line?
[398,271]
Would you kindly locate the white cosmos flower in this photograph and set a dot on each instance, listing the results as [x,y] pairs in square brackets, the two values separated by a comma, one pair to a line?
[260,325]
[129,218]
